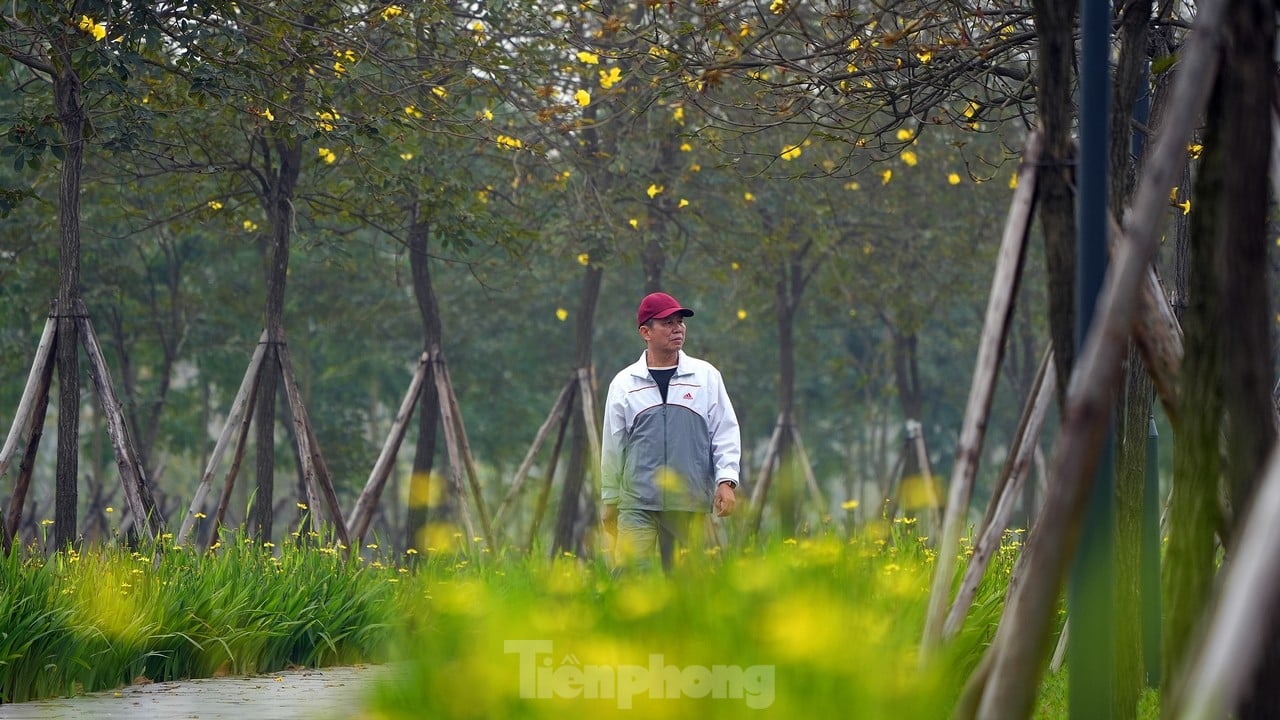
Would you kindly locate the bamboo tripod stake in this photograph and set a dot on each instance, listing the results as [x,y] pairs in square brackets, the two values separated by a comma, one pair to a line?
[29,420]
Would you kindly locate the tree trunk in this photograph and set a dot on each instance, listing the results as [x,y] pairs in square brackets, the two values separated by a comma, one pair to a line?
[1054,28]
[427,504]
[570,527]
[1132,414]
[71,119]
[1241,260]
[280,212]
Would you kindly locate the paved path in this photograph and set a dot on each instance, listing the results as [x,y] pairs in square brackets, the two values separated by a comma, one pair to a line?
[335,693]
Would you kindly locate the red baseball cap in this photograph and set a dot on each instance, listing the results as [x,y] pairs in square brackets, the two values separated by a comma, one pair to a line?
[657,306]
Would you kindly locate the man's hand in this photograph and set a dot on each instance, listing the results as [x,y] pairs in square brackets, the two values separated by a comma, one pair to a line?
[610,519]
[725,499]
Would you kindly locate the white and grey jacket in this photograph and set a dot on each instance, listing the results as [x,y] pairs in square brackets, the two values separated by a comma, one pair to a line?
[668,456]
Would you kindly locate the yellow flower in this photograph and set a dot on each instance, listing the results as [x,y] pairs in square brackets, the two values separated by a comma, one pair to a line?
[971,109]
[924,56]
[477,29]
[1013,181]
[1194,150]
[508,143]
[392,11]
[198,516]
[777,7]
[853,185]
[440,92]
[109,509]
[634,223]
[1173,194]
[327,120]
[406,156]
[904,134]
[854,44]
[215,205]
[339,68]
[487,114]
[742,314]
[266,113]
[748,197]
[735,266]
[89,26]
[250,226]
[745,30]
[584,259]
[654,190]
[1186,207]
[683,203]
[791,152]
[686,147]
[849,504]
[302,506]
[953,178]
[678,114]
[583,97]
[327,155]
[696,167]
[886,176]
[413,112]
[562,314]
[610,77]
[910,158]
[588,58]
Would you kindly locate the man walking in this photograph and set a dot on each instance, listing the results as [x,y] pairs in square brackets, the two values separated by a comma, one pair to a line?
[670,446]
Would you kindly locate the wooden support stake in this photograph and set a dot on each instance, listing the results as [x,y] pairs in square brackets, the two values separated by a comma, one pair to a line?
[1006,497]
[451,447]
[40,366]
[995,325]
[248,386]
[565,416]
[1024,627]
[136,492]
[464,449]
[229,482]
[522,473]
[807,467]
[316,474]
[362,513]
[765,477]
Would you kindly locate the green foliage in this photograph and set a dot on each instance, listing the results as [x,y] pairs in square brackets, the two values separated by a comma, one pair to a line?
[102,618]
[835,621]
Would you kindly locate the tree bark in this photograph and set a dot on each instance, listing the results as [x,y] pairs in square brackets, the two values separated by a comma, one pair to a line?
[570,529]
[71,120]
[1055,31]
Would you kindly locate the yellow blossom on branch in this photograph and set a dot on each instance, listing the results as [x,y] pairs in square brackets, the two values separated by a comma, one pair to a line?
[508,143]
[1013,181]
[791,152]
[215,205]
[610,77]
[583,97]
[678,114]
[683,203]
[742,314]
[654,190]
[97,30]
[886,176]
[413,112]
[777,7]
[910,158]
[953,178]
[440,92]
[588,58]
[634,223]
[562,314]
[392,11]
[327,155]
[584,259]
[686,147]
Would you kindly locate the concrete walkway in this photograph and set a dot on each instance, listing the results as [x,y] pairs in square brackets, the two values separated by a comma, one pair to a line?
[334,693]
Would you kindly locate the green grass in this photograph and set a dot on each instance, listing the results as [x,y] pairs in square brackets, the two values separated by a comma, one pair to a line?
[102,618]
[820,627]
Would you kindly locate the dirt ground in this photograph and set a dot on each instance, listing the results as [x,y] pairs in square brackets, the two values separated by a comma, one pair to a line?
[334,693]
